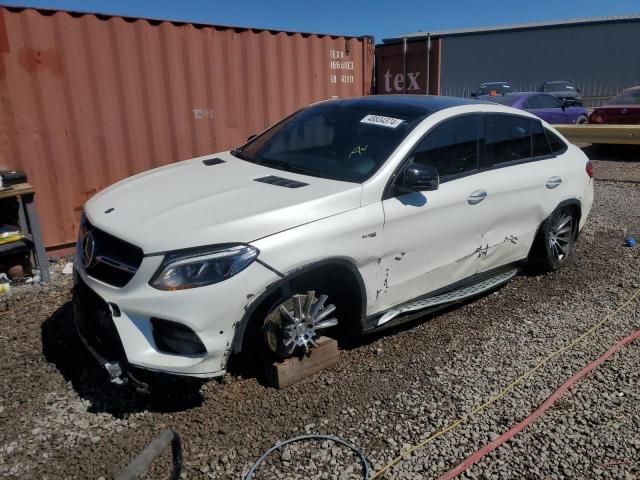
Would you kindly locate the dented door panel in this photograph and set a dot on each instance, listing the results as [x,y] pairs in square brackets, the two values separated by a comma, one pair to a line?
[430,240]
[517,202]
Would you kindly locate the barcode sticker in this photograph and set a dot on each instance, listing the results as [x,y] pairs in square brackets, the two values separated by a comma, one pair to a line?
[382,121]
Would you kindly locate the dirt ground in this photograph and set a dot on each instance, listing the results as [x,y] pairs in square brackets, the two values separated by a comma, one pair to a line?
[60,418]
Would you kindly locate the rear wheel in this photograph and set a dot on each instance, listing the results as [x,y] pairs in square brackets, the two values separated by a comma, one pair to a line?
[556,240]
[582,119]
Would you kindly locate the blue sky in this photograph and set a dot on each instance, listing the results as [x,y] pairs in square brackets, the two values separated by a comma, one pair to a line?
[382,19]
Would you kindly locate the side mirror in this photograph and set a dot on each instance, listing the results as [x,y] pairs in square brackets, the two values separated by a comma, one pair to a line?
[418,178]
[251,137]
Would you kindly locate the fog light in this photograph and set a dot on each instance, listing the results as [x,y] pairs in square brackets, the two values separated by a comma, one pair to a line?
[175,338]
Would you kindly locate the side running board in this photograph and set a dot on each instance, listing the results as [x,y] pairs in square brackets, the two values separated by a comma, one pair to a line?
[449,297]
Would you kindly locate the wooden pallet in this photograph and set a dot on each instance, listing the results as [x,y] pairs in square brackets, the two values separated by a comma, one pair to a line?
[287,372]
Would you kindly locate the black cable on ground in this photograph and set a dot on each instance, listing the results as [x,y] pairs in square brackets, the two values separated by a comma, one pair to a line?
[279,445]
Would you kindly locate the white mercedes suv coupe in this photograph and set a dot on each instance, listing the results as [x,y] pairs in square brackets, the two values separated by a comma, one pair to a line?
[346,217]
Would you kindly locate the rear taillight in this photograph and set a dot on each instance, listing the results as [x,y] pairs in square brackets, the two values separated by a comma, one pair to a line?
[595,118]
[589,169]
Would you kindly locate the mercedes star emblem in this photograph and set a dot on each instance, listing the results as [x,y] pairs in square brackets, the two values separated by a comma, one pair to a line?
[88,249]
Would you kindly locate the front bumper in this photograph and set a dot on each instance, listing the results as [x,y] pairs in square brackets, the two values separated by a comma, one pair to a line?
[115,323]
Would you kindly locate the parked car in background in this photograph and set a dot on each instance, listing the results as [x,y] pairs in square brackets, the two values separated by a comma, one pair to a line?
[492,89]
[623,109]
[563,90]
[348,216]
[545,106]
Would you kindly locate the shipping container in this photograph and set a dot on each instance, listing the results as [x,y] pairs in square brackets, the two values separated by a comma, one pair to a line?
[90,99]
[591,52]
[408,67]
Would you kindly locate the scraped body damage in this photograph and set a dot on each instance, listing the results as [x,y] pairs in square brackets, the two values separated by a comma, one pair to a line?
[428,242]
[354,236]
[518,203]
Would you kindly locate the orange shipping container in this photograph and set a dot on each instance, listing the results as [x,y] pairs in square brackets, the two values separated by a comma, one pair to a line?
[87,100]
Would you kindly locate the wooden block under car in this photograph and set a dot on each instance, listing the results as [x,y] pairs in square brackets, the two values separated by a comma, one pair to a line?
[287,372]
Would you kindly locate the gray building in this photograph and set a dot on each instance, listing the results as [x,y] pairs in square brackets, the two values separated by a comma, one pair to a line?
[600,55]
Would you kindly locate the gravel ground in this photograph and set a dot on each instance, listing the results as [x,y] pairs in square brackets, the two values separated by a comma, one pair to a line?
[615,162]
[59,418]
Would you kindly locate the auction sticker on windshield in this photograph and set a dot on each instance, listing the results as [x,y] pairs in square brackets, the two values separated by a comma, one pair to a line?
[382,121]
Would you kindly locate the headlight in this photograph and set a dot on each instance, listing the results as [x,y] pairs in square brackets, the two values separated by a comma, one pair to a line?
[202,266]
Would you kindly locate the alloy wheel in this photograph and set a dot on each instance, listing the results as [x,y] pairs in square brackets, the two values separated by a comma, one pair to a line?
[294,324]
[560,236]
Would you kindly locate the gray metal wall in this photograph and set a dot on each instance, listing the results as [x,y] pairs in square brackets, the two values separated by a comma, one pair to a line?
[601,59]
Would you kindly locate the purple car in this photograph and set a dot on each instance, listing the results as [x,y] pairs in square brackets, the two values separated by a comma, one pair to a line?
[545,106]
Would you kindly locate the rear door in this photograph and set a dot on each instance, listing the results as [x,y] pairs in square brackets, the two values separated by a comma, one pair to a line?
[525,181]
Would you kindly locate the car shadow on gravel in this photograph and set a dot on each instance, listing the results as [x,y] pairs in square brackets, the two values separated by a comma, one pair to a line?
[63,348]
[613,153]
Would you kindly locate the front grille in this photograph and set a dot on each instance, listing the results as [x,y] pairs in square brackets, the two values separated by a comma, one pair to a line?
[94,322]
[110,260]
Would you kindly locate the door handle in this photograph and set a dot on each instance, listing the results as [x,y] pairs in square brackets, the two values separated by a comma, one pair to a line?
[553,182]
[476,197]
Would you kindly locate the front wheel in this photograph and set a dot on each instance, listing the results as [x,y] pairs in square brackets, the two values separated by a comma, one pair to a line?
[582,120]
[294,324]
[555,242]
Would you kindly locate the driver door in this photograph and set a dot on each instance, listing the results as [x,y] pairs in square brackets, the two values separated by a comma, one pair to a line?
[432,239]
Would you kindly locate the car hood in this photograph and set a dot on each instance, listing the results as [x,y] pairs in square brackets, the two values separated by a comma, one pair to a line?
[190,204]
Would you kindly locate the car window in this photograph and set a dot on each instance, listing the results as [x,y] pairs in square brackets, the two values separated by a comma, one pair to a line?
[559,87]
[330,140]
[628,97]
[507,139]
[548,101]
[533,102]
[541,147]
[451,147]
[487,88]
[557,145]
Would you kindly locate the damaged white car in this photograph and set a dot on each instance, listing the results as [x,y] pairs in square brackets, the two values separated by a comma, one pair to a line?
[348,216]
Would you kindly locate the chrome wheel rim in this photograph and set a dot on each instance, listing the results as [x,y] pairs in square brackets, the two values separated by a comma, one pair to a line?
[294,325]
[560,236]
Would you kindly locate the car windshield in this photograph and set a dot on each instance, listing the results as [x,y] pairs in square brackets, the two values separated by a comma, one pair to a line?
[630,97]
[332,141]
[487,88]
[558,87]
[505,99]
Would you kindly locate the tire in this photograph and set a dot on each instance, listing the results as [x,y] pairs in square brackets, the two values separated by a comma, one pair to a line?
[292,326]
[582,120]
[555,242]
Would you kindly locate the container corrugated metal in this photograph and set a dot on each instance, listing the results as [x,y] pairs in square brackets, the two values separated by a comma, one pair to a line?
[87,100]
[420,64]
[594,56]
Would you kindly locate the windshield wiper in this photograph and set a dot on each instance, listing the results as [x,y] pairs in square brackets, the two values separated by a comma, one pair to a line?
[282,165]
[242,156]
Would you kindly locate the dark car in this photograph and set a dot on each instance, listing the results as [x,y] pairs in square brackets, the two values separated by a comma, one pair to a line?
[623,109]
[492,89]
[545,106]
[563,90]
